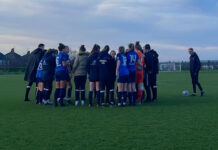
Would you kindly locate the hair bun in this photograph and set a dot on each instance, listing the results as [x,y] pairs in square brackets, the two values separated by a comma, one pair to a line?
[61,46]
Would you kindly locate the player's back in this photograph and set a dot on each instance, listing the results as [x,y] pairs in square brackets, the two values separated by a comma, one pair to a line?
[104,64]
[123,70]
[132,58]
[40,68]
[59,59]
[141,60]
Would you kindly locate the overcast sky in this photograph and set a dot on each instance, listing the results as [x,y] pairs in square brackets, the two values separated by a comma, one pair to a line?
[170,26]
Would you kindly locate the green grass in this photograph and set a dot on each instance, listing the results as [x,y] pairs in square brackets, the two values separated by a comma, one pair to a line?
[174,122]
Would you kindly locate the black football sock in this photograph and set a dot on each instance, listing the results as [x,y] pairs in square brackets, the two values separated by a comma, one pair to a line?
[90,97]
[83,94]
[112,96]
[124,96]
[102,96]
[27,93]
[77,92]
[120,95]
[98,97]
[130,98]
[69,92]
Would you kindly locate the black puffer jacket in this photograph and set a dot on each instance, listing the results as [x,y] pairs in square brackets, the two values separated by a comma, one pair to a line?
[152,62]
[195,64]
[33,62]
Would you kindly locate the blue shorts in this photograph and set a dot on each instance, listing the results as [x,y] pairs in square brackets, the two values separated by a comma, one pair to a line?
[132,76]
[123,79]
[61,76]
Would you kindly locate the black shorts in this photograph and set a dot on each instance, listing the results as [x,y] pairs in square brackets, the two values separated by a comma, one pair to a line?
[61,76]
[38,80]
[123,79]
[93,78]
[80,82]
[132,76]
[68,78]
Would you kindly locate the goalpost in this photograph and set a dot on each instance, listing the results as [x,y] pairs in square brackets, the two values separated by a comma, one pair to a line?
[171,67]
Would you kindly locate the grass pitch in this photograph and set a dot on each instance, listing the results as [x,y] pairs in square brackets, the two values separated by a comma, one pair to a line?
[174,122]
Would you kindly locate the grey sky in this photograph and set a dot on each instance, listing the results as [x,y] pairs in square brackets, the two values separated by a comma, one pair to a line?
[170,26]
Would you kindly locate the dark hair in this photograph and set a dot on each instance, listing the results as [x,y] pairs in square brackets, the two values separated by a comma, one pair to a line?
[96,48]
[51,51]
[122,49]
[131,47]
[82,48]
[138,46]
[147,47]
[40,45]
[191,49]
[106,48]
[61,47]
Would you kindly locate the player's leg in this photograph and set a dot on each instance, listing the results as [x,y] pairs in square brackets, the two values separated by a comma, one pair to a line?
[83,89]
[154,87]
[120,93]
[69,92]
[62,92]
[45,92]
[199,85]
[193,84]
[91,91]
[97,88]
[147,87]
[140,86]
[57,93]
[28,91]
[110,85]
[39,96]
[77,90]
[102,90]
[125,92]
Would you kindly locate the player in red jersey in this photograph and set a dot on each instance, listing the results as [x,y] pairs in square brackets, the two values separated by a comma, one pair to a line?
[139,72]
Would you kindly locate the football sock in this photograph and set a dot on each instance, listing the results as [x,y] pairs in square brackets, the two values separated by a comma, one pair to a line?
[90,97]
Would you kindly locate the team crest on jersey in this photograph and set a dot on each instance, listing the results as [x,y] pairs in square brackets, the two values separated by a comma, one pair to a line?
[102,61]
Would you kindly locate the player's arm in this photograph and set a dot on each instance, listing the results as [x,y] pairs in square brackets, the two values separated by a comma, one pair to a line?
[75,64]
[118,66]
[139,64]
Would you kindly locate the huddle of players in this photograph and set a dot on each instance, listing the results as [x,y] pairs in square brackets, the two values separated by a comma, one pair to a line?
[134,68]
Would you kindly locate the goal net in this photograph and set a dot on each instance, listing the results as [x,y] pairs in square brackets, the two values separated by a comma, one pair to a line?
[170,67]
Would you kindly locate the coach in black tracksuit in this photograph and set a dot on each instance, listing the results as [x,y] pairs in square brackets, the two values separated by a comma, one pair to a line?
[104,65]
[151,69]
[195,66]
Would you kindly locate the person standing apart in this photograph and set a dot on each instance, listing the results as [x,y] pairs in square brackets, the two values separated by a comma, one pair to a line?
[195,66]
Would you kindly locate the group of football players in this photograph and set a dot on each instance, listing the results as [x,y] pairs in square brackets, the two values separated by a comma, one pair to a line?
[134,69]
